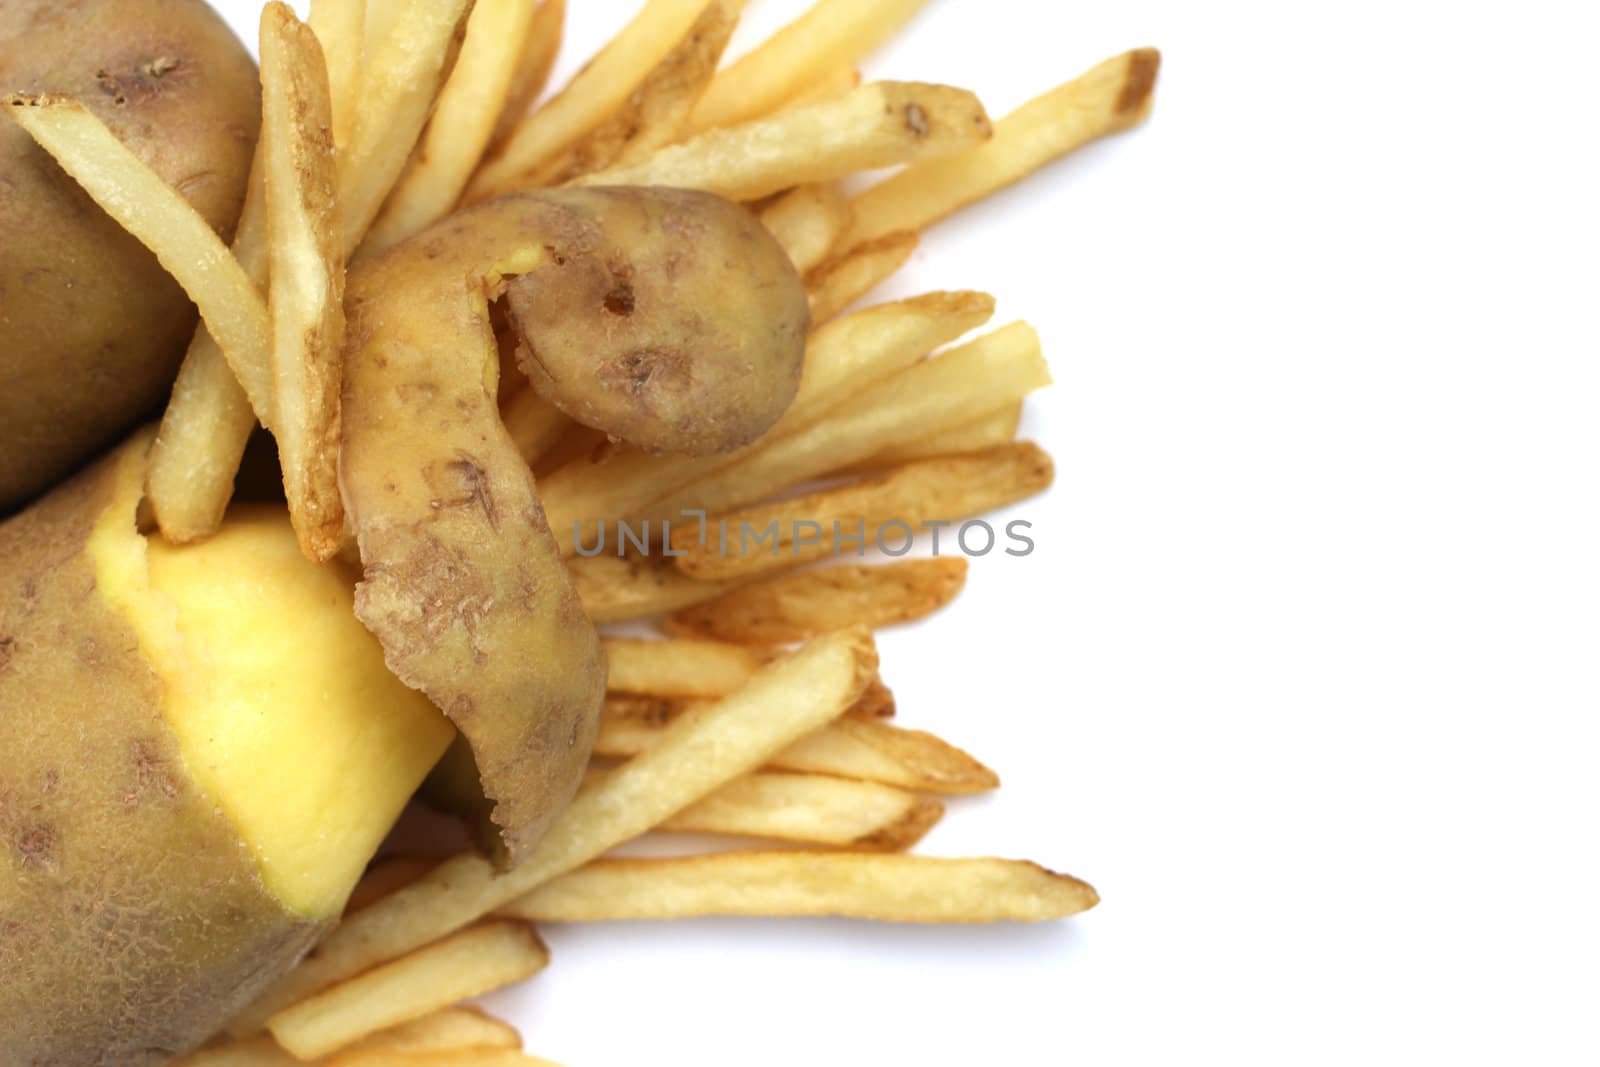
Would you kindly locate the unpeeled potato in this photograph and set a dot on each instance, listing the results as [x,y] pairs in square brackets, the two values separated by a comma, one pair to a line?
[91,328]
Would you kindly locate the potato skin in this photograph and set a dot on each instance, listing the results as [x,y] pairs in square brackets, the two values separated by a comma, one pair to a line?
[462,581]
[132,920]
[670,319]
[91,328]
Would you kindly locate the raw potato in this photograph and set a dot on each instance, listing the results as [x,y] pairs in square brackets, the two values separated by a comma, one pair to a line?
[668,319]
[180,819]
[85,353]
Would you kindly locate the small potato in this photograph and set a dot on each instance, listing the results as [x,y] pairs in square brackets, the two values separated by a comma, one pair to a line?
[667,318]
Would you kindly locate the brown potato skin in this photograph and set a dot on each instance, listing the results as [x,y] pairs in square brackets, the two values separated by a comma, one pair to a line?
[132,920]
[91,328]
[462,581]
[668,318]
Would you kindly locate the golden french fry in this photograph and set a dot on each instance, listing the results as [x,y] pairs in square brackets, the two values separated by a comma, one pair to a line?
[164,222]
[858,885]
[876,703]
[834,34]
[202,438]
[684,668]
[877,125]
[386,876]
[595,93]
[808,527]
[656,111]
[1111,97]
[339,25]
[408,60]
[836,285]
[253,1052]
[996,369]
[535,424]
[866,750]
[445,1030]
[794,607]
[698,754]
[470,1057]
[844,358]
[815,809]
[306,301]
[616,589]
[986,431]
[539,51]
[467,964]
[462,123]
[808,221]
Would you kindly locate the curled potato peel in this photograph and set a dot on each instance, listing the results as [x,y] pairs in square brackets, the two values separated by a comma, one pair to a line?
[670,319]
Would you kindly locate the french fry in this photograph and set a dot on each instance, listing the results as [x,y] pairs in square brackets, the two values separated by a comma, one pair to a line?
[595,93]
[877,125]
[794,607]
[445,1030]
[941,489]
[467,964]
[876,703]
[472,1057]
[253,1052]
[888,887]
[698,754]
[339,25]
[533,423]
[814,809]
[306,301]
[203,434]
[653,115]
[407,64]
[188,248]
[986,431]
[863,749]
[834,34]
[996,369]
[807,221]
[684,668]
[616,589]
[844,358]
[538,59]
[462,123]
[839,283]
[1112,97]
[386,876]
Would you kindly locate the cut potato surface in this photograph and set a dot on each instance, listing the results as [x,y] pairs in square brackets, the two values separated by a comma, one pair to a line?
[277,673]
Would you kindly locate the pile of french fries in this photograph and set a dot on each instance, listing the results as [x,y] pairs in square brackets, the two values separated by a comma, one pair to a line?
[380,118]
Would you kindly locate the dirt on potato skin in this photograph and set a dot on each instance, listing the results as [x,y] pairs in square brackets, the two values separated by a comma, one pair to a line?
[92,329]
[133,922]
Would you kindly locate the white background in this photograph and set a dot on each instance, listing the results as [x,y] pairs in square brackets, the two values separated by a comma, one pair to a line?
[1303,672]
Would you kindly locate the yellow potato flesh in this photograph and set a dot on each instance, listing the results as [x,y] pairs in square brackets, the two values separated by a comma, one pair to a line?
[281,702]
